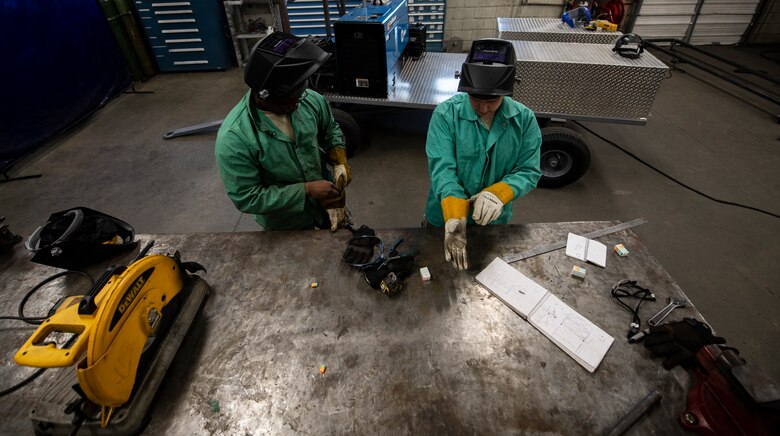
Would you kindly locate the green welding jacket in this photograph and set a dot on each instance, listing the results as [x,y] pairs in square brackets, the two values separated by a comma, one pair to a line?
[264,171]
[464,157]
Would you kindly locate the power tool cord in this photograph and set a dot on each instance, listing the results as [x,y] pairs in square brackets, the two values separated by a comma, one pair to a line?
[638,159]
[630,289]
[37,321]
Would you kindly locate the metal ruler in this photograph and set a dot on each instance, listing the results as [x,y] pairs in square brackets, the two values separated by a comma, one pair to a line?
[552,247]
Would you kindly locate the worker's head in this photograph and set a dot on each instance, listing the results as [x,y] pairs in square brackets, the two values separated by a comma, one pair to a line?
[278,70]
[489,70]
[485,105]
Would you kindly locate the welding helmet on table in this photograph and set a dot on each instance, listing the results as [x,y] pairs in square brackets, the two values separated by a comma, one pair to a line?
[280,65]
[79,237]
[629,46]
[489,70]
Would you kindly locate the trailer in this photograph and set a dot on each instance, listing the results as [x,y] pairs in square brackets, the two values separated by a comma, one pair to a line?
[557,79]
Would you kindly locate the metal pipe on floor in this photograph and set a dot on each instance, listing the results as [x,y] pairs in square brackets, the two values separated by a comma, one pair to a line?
[723,75]
[752,71]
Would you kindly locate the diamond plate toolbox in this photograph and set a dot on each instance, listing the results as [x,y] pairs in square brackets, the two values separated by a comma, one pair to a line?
[586,81]
[550,30]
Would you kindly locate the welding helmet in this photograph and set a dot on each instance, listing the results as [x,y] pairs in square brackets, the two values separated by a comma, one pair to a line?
[629,46]
[489,70]
[79,237]
[280,64]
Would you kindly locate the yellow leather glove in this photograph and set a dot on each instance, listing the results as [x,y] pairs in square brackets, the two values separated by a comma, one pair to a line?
[337,211]
[455,211]
[342,175]
[455,243]
[489,203]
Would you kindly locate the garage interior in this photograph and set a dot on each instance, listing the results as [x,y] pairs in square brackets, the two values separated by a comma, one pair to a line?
[703,171]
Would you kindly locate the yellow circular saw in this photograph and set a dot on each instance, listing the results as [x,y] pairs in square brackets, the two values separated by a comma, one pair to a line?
[113,326]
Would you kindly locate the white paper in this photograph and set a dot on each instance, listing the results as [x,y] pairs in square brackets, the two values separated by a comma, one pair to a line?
[582,248]
[511,286]
[597,253]
[572,332]
[576,246]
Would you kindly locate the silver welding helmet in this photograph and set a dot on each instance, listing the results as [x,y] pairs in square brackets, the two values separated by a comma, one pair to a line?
[280,65]
[489,70]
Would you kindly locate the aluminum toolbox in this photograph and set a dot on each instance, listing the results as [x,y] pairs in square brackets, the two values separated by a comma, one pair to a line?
[586,81]
[550,30]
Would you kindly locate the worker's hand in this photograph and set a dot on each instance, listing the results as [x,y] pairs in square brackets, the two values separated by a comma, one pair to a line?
[487,207]
[341,176]
[455,243]
[339,218]
[321,189]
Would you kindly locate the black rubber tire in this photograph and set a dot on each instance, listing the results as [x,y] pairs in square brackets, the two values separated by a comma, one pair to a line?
[350,129]
[564,157]
[543,122]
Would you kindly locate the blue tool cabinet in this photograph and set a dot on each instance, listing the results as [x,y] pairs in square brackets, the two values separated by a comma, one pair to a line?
[431,14]
[307,17]
[187,35]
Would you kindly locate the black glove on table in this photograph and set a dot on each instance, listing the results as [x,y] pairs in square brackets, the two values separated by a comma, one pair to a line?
[679,341]
[360,247]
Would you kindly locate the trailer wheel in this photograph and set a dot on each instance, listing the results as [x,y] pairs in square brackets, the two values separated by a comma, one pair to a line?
[350,129]
[564,157]
[543,122]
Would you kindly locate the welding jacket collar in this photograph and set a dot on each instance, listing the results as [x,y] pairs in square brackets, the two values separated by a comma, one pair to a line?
[506,111]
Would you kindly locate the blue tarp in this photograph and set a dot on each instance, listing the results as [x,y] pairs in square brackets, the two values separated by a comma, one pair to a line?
[59,63]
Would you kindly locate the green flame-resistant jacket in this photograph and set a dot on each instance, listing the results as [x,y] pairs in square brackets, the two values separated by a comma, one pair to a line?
[464,157]
[264,171]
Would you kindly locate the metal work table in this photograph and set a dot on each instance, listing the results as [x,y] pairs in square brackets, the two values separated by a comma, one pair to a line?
[442,356]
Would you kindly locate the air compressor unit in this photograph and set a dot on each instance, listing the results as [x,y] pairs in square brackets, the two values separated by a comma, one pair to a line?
[370,43]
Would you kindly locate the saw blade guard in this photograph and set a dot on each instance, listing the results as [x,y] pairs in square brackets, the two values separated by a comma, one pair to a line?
[131,314]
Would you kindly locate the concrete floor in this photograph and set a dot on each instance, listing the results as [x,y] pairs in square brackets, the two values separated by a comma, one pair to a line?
[715,138]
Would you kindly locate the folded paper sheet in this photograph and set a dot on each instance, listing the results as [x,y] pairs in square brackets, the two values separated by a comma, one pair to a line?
[584,341]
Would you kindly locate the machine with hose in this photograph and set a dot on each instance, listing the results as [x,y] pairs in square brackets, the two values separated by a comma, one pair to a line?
[122,336]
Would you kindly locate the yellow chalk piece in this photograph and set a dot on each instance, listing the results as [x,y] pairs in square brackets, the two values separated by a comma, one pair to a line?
[621,250]
[323,368]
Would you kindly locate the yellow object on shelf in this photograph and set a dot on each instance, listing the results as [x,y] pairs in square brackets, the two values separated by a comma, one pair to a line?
[604,25]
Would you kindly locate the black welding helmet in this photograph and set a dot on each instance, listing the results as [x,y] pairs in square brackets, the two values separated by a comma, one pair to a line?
[489,70]
[280,65]
[79,237]
[629,46]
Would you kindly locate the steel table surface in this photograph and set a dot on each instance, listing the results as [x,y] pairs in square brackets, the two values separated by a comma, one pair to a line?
[441,357]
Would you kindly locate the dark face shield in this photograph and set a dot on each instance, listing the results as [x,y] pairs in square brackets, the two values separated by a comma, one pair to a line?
[489,70]
[280,65]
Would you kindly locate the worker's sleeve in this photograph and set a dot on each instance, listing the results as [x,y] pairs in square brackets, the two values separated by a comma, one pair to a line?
[330,131]
[442,165]
[526,172]
[241,174]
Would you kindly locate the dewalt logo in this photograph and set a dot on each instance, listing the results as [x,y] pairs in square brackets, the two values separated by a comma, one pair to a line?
[129,296]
